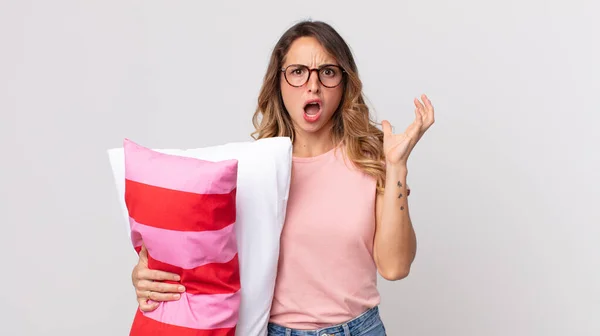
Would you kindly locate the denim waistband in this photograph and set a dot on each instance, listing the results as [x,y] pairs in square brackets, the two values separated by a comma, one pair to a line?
[353,327]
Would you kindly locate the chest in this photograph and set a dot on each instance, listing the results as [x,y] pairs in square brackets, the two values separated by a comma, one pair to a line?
[333,206]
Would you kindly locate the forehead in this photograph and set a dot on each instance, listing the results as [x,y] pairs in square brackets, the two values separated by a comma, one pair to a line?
[308,51]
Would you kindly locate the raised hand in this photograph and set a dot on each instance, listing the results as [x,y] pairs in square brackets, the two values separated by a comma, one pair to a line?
[397,147]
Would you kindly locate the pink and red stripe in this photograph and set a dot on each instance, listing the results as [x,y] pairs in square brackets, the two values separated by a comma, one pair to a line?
[184,211]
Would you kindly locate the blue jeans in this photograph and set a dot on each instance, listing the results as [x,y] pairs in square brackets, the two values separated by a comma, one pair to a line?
[367,324]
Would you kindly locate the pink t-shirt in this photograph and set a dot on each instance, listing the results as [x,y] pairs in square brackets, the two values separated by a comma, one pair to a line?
[327,274]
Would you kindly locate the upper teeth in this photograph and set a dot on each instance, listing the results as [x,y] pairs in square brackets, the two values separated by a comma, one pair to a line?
[313,104]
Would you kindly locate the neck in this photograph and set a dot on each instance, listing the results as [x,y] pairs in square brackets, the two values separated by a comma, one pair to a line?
[312,144]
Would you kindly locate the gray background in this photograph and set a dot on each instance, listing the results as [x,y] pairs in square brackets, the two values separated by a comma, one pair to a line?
[505,184]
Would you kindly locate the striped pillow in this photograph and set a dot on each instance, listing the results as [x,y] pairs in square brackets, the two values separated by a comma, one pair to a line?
[184,211]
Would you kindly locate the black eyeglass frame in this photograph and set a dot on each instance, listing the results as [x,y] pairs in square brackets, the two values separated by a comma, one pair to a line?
[318,70]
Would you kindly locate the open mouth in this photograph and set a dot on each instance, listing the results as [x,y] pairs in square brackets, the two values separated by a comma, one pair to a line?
[312,110]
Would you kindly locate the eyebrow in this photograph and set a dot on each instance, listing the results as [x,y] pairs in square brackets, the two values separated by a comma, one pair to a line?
[321,65]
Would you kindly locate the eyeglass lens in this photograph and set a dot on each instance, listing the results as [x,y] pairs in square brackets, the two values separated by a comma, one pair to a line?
[329,75]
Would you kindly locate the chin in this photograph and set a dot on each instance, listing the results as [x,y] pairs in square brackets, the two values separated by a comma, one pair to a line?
[311,129]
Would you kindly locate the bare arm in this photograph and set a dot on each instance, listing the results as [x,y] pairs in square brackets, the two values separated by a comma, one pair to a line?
[395,243]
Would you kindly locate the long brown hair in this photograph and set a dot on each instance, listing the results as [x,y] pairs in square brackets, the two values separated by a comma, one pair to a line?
[352,123]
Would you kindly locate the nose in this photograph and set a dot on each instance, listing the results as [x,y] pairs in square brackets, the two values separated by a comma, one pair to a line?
[313,84]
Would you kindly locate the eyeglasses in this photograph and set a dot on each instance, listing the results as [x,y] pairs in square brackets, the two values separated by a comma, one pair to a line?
[330,75]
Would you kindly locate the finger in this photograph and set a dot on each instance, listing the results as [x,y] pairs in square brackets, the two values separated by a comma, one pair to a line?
[143,255]
[387,128]
[147,306]
[419,106]
[418,116]
[418,120]
[409,133]
[419,113]
[143,294]
[163,287]
[156,296]
[427,102]
[430,110]
[162,297]
[143,286]
[412,132]
[156,275]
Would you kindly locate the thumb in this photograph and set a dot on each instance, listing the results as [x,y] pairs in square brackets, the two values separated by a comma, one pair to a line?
[144,253]
[387,128]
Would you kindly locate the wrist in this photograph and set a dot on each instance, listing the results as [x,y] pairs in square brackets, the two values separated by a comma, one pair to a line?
[396,170]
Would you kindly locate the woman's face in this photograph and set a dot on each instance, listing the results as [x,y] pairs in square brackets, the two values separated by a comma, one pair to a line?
[311,105]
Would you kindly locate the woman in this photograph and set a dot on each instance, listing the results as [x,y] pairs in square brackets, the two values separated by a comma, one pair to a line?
[347,217]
